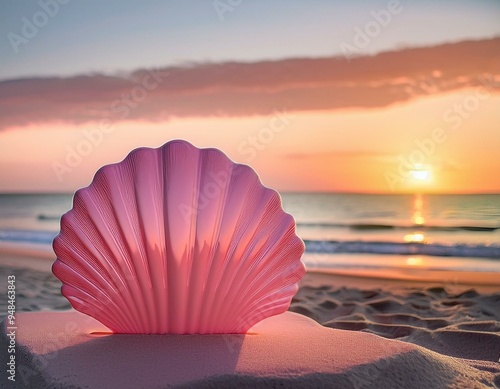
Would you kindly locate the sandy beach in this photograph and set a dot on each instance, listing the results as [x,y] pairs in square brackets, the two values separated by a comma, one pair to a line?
[446,331]
[452,319]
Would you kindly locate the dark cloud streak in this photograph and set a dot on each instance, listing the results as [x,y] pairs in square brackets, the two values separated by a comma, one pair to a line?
[240,89]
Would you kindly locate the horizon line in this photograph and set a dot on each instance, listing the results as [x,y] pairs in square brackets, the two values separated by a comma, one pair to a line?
[290,192]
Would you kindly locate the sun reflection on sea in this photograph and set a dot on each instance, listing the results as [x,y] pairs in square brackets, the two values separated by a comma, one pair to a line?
[418,217]
[418,220]
[414,261]
[416,237]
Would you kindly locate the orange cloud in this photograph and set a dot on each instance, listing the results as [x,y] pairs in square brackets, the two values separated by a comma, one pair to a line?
[242,89]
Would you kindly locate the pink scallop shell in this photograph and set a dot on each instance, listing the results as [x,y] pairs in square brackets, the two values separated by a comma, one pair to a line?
[178,240]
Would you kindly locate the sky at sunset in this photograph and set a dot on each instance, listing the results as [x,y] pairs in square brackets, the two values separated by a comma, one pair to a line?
[359,96]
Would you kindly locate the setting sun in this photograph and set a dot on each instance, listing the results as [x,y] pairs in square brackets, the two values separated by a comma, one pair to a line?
[421,175]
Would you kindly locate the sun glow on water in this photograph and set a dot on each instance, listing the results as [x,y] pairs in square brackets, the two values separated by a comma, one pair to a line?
[414,261]
[416,237]
[418,219]
[418,216]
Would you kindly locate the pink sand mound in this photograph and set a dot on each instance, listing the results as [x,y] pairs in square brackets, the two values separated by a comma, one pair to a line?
[69,349]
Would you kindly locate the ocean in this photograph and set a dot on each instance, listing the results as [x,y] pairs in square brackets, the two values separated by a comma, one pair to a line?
[342,232]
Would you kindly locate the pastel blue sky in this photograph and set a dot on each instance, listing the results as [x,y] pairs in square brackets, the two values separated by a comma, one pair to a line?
[122,35]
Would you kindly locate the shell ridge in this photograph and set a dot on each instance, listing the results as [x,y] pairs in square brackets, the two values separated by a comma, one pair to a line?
[259,266]
[269,244]
[265,279]
[97,302]
[83,301]
[278,298]
[191,285]
[191,242]
[272,286]
[84,197]
[121,289]
[219,266]
[270,241]
[160,245]
[170,268]
[251,240]
[83,207]
[166,273]
[87,274]
[120,285]
[221,205]
[278,288]
[90,236]
[227,264]
[233,267]
[110,317]
[125,254]
[116,233]
[139,233]
[269,306]
[177,293]
[243,179]
[121,198]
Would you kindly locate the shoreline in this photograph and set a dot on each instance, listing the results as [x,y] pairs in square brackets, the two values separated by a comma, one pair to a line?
[39,257]
[483,282]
